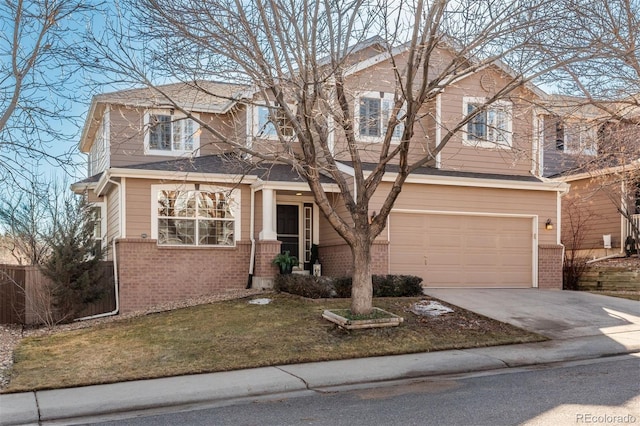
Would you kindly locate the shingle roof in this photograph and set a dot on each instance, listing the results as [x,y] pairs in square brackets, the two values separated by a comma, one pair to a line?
[203,96]
[229,164]
[432,171]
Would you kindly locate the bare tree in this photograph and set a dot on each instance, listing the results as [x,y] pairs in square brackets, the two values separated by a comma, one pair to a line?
[576,226]
[296,58]
[37,80]
[25,216]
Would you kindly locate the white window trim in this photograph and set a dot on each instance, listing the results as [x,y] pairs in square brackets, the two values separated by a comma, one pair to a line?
[235,196]
[176,116]
[585,131]
[386,96]
[255,120]
[103,223]
[505,105]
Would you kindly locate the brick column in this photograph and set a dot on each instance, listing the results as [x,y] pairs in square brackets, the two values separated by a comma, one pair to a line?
[550,266]
[264,271]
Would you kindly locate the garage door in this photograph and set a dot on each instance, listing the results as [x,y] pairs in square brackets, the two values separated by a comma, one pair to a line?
[461,250]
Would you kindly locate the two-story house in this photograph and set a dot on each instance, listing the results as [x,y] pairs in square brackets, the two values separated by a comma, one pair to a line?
[183,215]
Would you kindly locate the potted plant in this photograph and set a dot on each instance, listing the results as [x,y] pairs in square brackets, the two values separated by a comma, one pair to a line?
[285,262]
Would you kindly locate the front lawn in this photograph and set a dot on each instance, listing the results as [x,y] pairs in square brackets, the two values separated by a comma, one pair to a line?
[233,335]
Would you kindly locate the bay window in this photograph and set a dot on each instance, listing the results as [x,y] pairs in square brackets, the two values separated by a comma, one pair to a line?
[196,217]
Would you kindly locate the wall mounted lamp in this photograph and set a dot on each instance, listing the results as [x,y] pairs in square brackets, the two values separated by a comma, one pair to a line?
[548,225]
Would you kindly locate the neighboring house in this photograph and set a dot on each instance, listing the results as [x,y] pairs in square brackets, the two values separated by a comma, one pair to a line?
[598,211]
[595,149]
[182,216]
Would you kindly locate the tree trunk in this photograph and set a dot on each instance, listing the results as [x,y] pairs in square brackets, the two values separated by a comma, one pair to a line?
[362,287]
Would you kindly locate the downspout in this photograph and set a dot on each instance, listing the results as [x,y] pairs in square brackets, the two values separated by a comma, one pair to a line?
[115,267]
[561,194]
[252,256]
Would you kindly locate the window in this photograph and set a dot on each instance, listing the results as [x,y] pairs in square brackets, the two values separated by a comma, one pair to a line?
[372,116]
[489,128]
[267,118]
[96,215]
[195,217]
[578,138]
[559,136]
[170,134]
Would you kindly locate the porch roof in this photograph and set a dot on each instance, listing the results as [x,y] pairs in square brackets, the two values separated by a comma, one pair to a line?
[432,171]
[229,164]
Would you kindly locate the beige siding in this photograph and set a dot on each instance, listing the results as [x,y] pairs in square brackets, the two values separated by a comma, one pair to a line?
[113,217]
[258,215]
[127,135]
[380,78]
[458,156]
[328,234]
[444,198]
[138,209]
[455,155]
[589,211]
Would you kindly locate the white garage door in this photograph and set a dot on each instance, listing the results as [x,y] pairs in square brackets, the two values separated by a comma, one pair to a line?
[461,250]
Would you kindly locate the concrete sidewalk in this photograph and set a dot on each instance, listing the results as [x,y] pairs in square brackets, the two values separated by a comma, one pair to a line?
[68,405]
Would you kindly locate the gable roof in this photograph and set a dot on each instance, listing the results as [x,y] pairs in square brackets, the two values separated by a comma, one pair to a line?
[199,96]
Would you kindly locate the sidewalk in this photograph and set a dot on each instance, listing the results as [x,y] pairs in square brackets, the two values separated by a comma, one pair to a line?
[75,403]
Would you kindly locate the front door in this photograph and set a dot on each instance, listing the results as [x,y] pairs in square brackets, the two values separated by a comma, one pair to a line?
[288,228]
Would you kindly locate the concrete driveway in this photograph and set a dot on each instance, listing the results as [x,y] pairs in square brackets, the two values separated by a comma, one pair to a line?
[552,313]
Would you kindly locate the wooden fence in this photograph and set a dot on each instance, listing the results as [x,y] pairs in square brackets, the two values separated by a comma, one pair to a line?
[24,299]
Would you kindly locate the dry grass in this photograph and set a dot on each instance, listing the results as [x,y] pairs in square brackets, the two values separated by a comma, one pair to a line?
[233,335]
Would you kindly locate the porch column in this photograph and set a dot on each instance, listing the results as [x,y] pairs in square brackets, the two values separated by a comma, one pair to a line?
[268,215]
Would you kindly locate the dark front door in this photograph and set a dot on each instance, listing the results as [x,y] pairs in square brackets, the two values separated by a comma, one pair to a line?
[288,229]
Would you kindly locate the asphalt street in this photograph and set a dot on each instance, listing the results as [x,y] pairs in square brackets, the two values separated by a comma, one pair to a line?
[605,391]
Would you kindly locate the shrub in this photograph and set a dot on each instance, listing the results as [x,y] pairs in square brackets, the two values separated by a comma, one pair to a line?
[305,285]
[384,286]
[71,264]
[396,286]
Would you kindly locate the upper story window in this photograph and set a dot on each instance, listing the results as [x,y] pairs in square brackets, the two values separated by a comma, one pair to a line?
[491,127]
[576,137]
[170,134]
[372,117]
[97,217]
[196,217]
[268,120]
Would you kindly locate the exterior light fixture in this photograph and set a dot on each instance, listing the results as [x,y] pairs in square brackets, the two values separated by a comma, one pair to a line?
[548,225]
[298,194]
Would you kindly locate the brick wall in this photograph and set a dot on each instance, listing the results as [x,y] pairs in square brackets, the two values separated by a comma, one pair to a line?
[150,274]
[550,266]
[337,260]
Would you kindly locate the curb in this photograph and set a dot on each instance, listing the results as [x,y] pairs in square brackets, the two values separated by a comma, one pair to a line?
[164,393]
